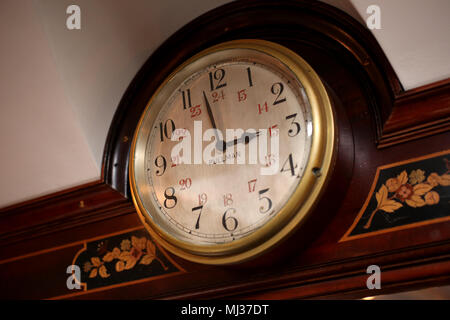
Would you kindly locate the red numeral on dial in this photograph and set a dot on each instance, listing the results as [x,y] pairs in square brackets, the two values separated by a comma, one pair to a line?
[227,199]
[185,183]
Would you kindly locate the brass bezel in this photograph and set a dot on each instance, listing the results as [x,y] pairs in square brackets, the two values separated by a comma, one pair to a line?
[304,197]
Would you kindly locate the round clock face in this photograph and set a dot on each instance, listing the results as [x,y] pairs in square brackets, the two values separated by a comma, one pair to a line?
[230,151]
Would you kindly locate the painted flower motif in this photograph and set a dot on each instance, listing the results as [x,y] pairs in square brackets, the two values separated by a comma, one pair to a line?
[392,184]
[136,253]
[417,193]
[416,200]
[103,272]
[432,198]
[130,258]
[151,253]
[412,195]
[404,192]
[445,180]
[125,245]
[102,247]
[98,268]
[120,266]
[433,179]
[138,250]
[416,176]
[110,256]
[87,266]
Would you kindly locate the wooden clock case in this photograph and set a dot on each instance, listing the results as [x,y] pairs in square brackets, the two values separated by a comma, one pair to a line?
[378,124]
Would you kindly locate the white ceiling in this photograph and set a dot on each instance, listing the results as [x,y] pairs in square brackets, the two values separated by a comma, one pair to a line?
[59,88]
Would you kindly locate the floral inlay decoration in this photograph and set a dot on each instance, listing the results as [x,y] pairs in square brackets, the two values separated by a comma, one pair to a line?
[411,190]
[121,258]
[405,195]
[138,250]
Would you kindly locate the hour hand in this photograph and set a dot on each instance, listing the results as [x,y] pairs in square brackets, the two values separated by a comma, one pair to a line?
[245,138]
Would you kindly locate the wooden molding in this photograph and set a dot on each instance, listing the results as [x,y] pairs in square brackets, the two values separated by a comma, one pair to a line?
[420,265]
[59,211]
[418,113]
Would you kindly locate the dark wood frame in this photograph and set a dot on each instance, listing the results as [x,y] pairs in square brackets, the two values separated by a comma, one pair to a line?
[41,231]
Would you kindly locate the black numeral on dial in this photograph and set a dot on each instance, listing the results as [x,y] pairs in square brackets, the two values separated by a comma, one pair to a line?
[249,74]
[228,222]
[197,225]
[293,131]
[166,130]
[269,202]
[160,163]
[170,201]
[277,89]
[218,76]
[186,99]
[290,165]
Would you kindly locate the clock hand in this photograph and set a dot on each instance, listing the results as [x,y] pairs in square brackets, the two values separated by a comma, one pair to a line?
[244,138]
[220,144]
[247,138]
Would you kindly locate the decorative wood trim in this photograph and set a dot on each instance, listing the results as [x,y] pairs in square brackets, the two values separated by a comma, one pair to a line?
[419,265]
[171,268]
[354,285]
[370,197]
[61,210]
[416,265]
[418,113]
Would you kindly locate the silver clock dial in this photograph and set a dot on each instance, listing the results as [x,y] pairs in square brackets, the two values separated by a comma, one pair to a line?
[215,202]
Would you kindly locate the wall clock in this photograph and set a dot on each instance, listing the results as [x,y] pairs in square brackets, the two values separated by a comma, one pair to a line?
[199,192]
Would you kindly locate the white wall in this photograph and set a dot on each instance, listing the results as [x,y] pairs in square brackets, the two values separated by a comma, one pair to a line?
[98,62]
[415,37]
[43,148]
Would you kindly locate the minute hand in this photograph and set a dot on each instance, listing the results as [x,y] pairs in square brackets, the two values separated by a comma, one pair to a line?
[220,145]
